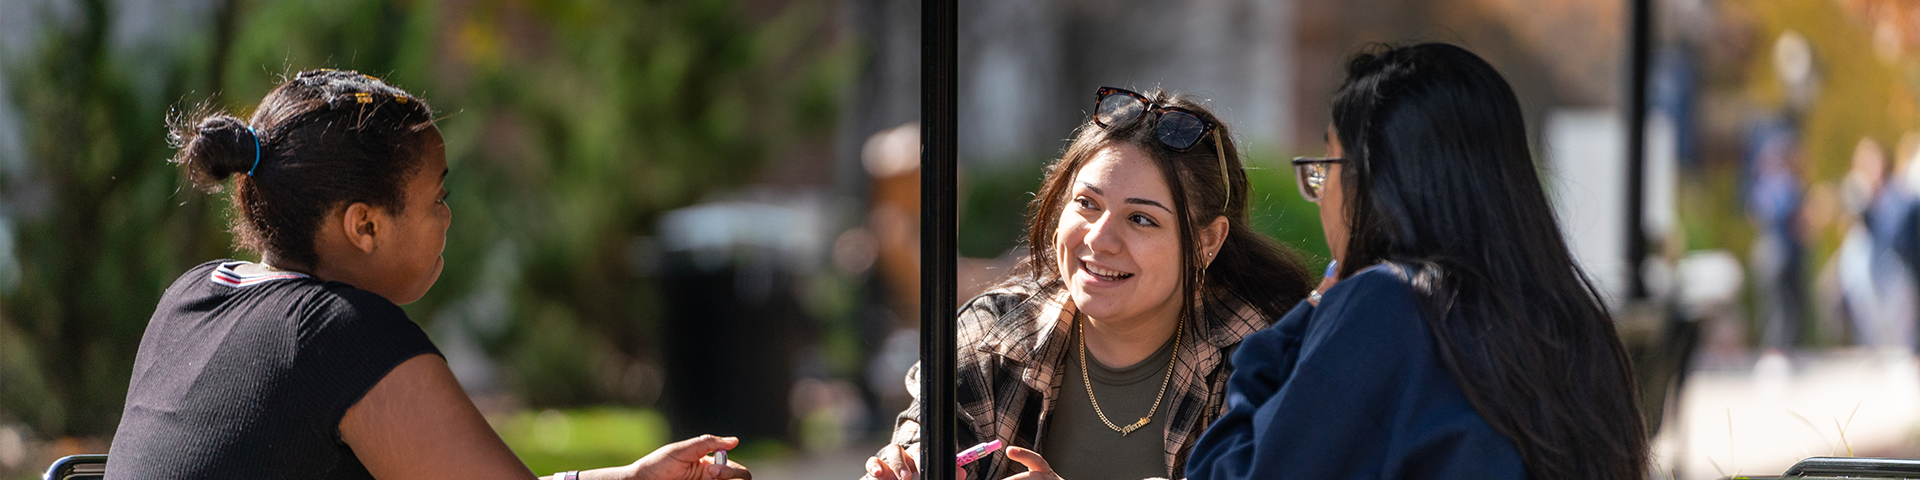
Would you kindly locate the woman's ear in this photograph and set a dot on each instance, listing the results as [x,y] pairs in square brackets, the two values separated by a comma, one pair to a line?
[362,224]
[1212,237]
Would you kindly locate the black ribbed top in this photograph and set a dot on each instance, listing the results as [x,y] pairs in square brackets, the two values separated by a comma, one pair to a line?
[244,376]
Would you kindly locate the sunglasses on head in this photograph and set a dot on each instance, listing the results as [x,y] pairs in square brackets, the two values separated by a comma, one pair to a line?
[1310,173]
[1177,128]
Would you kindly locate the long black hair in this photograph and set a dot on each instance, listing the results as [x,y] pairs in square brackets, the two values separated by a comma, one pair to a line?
[1438,173]
[1250,269]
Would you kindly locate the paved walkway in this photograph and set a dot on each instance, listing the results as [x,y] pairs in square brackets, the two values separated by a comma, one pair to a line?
[1760,418]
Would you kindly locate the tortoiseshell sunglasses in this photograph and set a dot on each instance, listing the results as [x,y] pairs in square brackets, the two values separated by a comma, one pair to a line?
[1175,127]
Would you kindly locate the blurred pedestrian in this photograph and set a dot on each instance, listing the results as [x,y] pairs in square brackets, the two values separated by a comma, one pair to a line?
[1774,198]
[1875,281]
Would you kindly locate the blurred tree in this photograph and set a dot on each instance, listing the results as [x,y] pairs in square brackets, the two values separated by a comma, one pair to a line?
[103,224]
[582,131]
[571,126]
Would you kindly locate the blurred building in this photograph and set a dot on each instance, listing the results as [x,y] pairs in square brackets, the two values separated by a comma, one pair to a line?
[1030,67]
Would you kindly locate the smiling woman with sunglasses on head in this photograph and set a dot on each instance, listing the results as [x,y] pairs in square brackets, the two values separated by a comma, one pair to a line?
[1105,349]
[1461,341]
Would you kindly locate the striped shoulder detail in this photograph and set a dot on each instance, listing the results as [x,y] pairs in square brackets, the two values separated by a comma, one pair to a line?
[227,274]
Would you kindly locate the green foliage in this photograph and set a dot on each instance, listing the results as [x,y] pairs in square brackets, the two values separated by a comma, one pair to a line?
[571,126]
[103,226]
[632,109]
[1279,211]
[993,207]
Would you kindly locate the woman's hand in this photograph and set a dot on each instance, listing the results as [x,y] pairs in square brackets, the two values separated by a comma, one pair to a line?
[688,460]
[896,463]
[1326,281]
[1037,468]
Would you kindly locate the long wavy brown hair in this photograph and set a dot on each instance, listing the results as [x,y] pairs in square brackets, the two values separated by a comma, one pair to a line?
[1251,268]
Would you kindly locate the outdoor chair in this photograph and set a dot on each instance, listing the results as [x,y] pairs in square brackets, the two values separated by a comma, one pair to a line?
[1850,468]
[78,467]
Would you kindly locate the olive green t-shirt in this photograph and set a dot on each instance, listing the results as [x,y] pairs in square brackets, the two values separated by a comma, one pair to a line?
[1080,447]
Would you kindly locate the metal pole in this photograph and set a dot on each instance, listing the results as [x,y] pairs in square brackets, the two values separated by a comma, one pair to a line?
[939,120]
[1639,46]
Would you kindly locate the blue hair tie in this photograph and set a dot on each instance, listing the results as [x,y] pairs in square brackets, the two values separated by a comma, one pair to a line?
[256,150]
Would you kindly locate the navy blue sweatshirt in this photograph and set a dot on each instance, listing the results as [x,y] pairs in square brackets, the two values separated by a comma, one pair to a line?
[1352,389]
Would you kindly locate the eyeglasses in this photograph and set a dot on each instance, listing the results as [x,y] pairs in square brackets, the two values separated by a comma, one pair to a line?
[1175,127]
[1310,173]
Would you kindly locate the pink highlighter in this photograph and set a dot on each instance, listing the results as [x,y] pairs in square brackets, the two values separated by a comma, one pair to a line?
[977,452]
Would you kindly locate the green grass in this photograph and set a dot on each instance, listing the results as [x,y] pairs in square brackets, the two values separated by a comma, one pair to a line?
[1278,210]
[559,440]
[583,439]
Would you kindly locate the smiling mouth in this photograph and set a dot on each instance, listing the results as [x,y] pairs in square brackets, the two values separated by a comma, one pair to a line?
[1104,274]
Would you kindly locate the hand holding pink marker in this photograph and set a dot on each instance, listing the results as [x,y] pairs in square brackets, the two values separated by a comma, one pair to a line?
[977,452]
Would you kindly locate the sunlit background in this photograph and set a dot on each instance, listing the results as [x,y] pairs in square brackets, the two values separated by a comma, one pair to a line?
[676,217]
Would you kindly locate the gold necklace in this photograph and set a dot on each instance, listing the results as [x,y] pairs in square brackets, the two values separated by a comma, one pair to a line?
[1088,380]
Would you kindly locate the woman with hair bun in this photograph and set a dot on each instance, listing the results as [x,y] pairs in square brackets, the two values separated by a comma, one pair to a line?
[302,365]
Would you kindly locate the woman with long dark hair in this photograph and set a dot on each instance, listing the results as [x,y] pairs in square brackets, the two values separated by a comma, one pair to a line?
[1105,349]
[1461,340]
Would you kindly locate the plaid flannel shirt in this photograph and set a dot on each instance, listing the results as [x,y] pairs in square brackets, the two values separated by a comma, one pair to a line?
[1010,365]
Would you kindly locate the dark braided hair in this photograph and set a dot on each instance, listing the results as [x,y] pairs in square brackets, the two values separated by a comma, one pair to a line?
[326,138]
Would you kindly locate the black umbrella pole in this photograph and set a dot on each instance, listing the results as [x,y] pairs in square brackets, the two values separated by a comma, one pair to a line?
[938,269]
[1639,53]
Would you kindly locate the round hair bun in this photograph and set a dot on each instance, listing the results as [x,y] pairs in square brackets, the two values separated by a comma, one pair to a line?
[215,148]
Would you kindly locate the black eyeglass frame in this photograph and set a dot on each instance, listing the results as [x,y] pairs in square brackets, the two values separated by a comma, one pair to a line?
[1159,113]
[1310,174]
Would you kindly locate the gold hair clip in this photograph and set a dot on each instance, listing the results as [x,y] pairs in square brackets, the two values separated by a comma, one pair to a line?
[370,77]
[363,97]
[400,98]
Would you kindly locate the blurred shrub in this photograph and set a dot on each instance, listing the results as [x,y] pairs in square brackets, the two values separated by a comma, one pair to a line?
[101,223]
[559,440]
[571,125]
